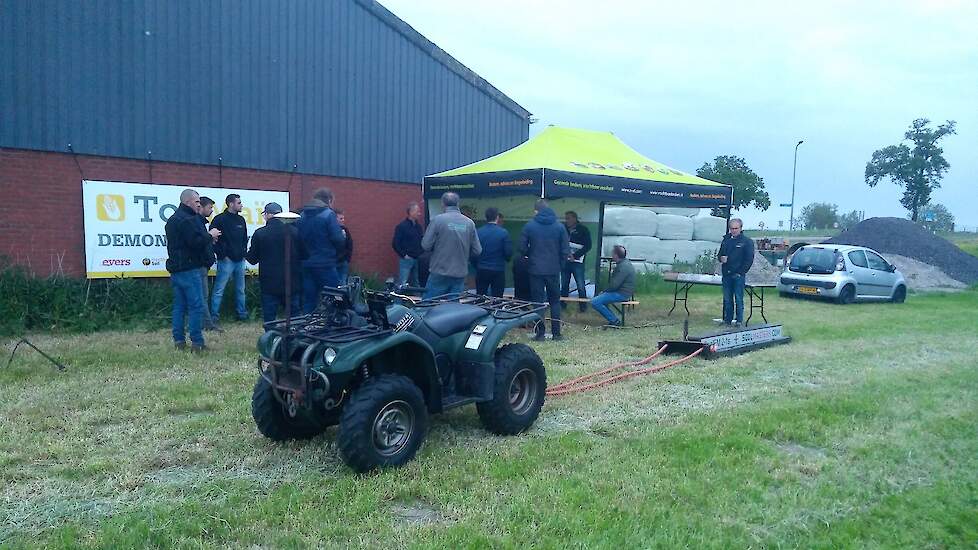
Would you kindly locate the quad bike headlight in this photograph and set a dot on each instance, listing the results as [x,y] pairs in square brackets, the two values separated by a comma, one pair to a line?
[329,355]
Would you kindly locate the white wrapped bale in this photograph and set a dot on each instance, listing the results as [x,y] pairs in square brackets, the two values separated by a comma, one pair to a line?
[687,212]
[674,228]
[649,267]
[709,228]
[707,247]
[630,221]
[637,246]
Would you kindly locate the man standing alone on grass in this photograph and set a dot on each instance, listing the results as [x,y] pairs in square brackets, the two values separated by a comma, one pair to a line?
[736,256]
[321,240]
[186,247]
[230,249]
[452,239]
[346,252]
[497,249]
[407,244]
[546,244]
[268,251]
[621,288]
[206,210]
[581,237]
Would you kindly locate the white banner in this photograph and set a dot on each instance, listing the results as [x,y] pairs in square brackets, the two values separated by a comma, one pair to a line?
[124,223]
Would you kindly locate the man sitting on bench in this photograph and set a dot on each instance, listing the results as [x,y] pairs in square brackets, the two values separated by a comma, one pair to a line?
[620,289]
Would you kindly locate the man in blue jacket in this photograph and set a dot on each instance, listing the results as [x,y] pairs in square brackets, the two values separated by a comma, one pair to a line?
[546,244]
[321,240]
[497,249]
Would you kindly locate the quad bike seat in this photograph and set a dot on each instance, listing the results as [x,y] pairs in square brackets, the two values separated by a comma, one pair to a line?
[447,319]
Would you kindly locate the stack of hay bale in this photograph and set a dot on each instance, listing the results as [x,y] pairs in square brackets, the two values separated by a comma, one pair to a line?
[662,236]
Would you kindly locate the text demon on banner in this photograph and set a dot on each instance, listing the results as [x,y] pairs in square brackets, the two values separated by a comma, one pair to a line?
[124,223]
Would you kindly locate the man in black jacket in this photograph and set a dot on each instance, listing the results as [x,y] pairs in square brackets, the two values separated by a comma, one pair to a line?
[736,256]
[580,236]
[545,243]
[206,210]
[186,247]
[345,254]
[268,251]
[407,244]
[230,249]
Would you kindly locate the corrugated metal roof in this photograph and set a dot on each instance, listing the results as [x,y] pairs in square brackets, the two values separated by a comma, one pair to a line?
[340,87]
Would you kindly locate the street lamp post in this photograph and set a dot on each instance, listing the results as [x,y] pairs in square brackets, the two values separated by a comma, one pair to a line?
[794,172]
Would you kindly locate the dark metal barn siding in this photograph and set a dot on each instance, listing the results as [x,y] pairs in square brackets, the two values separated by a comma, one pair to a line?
[338,87]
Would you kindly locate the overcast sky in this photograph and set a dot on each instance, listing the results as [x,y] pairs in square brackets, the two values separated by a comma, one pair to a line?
[683,82]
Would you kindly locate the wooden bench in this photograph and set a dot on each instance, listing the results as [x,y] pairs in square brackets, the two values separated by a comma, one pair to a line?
[620,307]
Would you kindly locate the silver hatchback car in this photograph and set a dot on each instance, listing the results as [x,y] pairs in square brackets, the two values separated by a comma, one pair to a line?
[843,273]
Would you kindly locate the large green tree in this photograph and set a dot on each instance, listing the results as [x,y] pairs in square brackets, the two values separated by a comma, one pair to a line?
[918,170]
[748,187]
[819,215]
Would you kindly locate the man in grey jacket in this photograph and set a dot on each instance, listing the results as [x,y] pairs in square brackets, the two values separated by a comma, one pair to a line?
[621,288]
[452,240]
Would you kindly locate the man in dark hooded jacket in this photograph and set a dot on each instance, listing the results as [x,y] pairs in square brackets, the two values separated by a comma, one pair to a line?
[268,251]
[546,244]
[321,240]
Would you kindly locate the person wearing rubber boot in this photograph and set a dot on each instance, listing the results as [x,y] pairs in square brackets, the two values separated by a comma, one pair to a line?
[736,256]
[546,244]
[621,288]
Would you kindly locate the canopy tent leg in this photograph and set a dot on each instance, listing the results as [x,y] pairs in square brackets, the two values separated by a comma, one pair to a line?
[599,248]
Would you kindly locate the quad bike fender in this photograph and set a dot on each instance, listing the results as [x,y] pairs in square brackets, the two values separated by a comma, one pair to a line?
[401,353]
[494,334]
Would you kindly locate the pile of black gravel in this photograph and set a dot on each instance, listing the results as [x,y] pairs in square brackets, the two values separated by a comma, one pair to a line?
[906,238]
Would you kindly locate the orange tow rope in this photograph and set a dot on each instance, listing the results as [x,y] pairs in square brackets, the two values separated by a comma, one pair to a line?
[577,385]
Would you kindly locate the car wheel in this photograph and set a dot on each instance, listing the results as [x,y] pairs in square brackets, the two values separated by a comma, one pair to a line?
[899,295]
[518,391]
[273,419]
[383,424]
[847,295]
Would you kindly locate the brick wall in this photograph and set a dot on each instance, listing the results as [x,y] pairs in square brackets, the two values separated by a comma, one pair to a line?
[41,204]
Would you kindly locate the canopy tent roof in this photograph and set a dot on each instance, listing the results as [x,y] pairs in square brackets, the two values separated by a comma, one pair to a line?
[566,162]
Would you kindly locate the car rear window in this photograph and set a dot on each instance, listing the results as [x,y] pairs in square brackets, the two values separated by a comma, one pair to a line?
[813,260]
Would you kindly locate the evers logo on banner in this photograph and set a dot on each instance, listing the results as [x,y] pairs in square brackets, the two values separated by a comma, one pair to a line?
[124,223]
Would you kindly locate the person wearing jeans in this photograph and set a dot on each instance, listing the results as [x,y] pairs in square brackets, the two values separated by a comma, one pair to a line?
[268,251]
[187,303]
[205,211]
[226,270]
[620,288]
[407,244]
[230,249]
[736,257]
[497,249]
[452,239]
[186,246]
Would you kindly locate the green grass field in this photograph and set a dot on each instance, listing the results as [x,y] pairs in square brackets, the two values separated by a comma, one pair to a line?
[861,432]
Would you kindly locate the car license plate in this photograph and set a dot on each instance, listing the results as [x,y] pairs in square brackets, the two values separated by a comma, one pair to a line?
[807,290]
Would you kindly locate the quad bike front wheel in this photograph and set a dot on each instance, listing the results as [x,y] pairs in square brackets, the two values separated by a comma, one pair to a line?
[383,424]
[518,392]
[273,419]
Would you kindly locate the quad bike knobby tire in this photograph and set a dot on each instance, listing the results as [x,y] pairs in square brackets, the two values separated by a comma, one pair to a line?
[518,392]
[383,423]
[273,420]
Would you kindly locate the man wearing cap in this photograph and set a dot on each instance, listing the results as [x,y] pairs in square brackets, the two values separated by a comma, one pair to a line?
[268,251]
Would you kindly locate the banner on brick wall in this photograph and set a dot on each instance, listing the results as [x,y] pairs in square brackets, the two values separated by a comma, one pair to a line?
[124,223]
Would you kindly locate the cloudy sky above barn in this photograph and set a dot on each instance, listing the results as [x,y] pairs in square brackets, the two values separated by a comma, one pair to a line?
[683,82]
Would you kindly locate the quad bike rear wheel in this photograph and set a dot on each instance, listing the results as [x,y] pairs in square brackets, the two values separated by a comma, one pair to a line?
[383,424]
[273,419]
[518,393]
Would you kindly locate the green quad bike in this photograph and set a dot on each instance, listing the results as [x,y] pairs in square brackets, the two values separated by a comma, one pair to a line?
[366,361]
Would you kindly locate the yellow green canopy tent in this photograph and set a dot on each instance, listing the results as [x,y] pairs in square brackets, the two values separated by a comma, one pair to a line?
[572,163]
